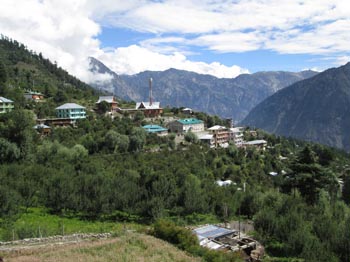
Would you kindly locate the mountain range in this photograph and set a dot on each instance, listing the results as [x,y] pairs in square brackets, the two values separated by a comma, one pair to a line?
[315,109]
[226,97]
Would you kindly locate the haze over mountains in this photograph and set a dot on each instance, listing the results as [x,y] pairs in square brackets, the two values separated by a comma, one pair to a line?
[226,97]
[315,109]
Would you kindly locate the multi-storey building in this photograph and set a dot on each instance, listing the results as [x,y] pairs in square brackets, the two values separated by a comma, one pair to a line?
[186,125]
[6,105]
[71,111]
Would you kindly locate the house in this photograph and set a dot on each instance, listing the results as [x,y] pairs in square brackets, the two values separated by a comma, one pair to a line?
[229,240]
[260,144]
[221,135]
[56,122]
[42,129]
[207,139]
[187,111]
[237,135]
[224,182]
[71,111]
[110,100]
[155,129]
[34,96]
[6,105]
[150,109]
[186,125]
[209,236]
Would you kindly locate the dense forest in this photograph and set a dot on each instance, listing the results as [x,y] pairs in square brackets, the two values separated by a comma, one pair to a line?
[111,170]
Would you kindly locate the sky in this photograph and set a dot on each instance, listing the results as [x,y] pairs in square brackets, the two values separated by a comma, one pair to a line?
[218,37]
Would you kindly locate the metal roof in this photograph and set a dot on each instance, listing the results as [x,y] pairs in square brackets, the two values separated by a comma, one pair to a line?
[236,129]
[5,100]
[108,99]
[217,127]
[155,105]
[41,126]
[212,231]
[256,142]
[70,106]
[154,128]
[33,93]
[206,137]
[224,183]
[190,121]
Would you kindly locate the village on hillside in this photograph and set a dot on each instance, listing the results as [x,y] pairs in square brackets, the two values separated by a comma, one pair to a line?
[159,122]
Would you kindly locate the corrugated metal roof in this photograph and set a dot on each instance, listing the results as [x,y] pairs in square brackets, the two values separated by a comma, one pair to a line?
[70,106]
[212,231]
[5,100]
[190,121]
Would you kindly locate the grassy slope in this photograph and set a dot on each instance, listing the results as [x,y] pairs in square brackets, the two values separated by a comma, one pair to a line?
[130,247]
[35,219]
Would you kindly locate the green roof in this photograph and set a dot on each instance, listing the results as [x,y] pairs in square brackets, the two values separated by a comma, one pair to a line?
[190,121]
[154,128]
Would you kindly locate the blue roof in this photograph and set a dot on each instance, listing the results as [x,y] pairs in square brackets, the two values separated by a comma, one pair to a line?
[190,121]
[154,128]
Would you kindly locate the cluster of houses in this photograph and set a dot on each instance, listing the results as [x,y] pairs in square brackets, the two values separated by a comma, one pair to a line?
[67,114]
[7,105]
[215,136]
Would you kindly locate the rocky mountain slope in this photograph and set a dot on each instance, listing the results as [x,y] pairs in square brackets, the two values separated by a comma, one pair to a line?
[232,98]
[316,109]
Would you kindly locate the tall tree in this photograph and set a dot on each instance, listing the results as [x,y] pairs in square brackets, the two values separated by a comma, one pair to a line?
[3,78]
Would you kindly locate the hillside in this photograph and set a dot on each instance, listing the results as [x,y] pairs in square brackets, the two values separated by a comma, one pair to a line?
[22,69]
[229,98]
[316,109]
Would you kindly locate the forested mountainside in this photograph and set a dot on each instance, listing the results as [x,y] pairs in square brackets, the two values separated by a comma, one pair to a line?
[22,69]
[316,109]
[229,98]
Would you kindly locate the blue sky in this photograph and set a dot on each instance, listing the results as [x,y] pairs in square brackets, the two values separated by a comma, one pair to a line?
[254,61]
[224,38]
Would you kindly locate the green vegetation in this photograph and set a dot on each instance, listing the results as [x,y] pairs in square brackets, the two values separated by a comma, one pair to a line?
[38,222]
[104,170]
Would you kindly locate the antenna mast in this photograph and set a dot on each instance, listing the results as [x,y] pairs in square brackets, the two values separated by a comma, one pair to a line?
[150,91]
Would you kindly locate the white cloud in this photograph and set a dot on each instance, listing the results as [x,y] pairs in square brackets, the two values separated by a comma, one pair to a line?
[284,26]
[66,31]
[230,42]
[61,30]
[135,59]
